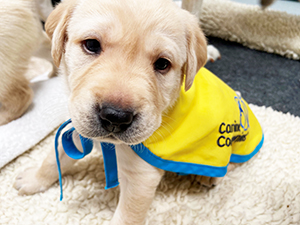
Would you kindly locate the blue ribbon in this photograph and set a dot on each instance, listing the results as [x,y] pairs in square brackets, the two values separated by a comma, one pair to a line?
[110,165]
[108,152]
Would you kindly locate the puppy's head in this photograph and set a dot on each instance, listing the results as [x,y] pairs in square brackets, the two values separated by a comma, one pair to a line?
[124,61]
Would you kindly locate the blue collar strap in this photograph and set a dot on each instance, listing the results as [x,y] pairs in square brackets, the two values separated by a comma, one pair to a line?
[108,152]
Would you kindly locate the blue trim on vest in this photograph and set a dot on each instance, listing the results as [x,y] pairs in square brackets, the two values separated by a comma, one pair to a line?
[244,158]
[108,152]
[110,159]
[184,168]
[178,167]
[57,155]
[70,148]
[110,165]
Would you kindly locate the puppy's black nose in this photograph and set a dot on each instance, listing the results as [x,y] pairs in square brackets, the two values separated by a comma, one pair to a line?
[115,120]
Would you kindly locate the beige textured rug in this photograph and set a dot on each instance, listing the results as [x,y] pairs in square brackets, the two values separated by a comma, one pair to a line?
[269,30]
[265,190]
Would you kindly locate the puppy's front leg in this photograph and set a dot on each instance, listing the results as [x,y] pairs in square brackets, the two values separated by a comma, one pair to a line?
[34,180]
[138,183]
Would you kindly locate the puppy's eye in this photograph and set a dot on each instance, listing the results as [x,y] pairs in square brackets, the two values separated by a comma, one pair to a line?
[92,46]
[162,65]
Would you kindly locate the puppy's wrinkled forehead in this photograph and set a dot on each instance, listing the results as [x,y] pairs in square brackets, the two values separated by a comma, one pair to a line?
[133,24]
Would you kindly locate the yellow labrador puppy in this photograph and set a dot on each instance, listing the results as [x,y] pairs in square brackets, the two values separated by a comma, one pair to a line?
[124,62]
[141,50]
[21,36]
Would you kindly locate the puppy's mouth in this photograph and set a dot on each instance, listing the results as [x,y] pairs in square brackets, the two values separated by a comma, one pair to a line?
[131,129]
[116,135]
[111,138]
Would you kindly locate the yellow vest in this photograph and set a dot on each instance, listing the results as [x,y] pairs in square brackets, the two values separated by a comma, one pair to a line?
[209,126]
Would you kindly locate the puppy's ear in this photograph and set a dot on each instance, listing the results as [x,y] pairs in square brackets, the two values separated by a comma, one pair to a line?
[196,50]
[56,28]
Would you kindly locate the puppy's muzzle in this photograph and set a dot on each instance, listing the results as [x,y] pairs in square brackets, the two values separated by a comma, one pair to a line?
[115,120]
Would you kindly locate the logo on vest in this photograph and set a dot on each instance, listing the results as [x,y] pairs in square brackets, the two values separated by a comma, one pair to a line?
[244,118]
[227,130]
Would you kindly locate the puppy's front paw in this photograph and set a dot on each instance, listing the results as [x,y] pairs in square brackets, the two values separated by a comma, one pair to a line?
[28,183]
[212,53]
[208,181]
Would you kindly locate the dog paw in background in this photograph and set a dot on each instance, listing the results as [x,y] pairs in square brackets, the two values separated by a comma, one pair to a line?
[265,3]
[212,53]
